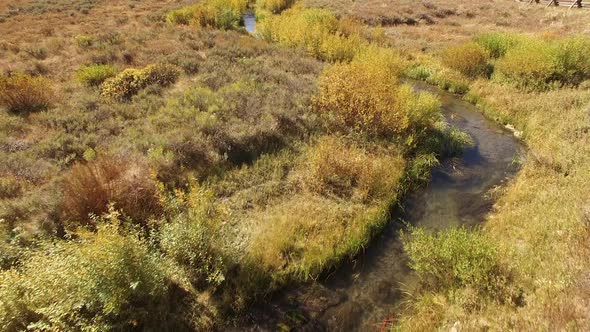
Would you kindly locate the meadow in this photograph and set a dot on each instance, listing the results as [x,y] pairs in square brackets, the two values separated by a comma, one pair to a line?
[162,169]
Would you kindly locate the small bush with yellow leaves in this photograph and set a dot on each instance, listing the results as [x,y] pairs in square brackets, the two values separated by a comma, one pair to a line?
[221,14]
[130,81]
[469,59]
[313,30]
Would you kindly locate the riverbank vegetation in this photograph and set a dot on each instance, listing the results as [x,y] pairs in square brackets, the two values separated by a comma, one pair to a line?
[166,176]
[162,170]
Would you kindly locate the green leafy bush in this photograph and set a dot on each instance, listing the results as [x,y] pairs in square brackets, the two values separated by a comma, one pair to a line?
[105,282]
[130,81]
[469,59]
[497,44]
[536,64]
[95,75]
[221,14]
[456,258]
[190,239]
[21,93]
[573,59]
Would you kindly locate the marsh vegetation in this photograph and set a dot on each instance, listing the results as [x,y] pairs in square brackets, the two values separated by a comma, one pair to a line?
[162,169]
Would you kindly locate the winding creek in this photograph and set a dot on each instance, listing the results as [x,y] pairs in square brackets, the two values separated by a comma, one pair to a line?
[362,294]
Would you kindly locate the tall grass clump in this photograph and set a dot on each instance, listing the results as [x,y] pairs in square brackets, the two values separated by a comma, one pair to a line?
[221,14]
[335,167]
[130,81]
[102,282]
[90,187]
[457,258]
[21,93]
[365,95]
[95,75]
[313,30]
[470,59]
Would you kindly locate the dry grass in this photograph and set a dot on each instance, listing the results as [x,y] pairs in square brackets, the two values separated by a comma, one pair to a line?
[24,94]
[90,187]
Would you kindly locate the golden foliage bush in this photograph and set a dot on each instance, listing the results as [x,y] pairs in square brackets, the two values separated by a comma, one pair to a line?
[335,167]
[130,81]
[313,30]
[300,237]
[530,66]
[221,14]
[90,187]
[21,93]
[470,59]
[365,94]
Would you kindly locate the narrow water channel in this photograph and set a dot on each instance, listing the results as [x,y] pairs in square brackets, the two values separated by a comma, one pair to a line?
[364,293]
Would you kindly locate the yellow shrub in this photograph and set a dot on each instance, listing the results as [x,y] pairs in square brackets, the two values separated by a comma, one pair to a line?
[365,95]
[470,59]
[130,81]
[222,14]
[22,93]
[313,30]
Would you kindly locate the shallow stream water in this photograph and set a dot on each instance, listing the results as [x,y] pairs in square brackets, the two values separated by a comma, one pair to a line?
[363,294]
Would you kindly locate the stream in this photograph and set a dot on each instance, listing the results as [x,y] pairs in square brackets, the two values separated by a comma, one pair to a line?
[365,293]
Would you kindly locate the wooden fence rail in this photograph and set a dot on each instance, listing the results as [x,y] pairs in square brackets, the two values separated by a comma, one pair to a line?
[570,4]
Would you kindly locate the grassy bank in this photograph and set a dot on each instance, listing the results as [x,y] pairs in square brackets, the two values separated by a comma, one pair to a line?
[538,232]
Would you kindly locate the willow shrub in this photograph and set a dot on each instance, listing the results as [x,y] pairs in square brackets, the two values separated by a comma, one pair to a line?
[130,81]
[470,59]
[536,64]
[21,93]
[102,282]
[365,95]
[190,239]
[497,44]
[221,14]
[313,30]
